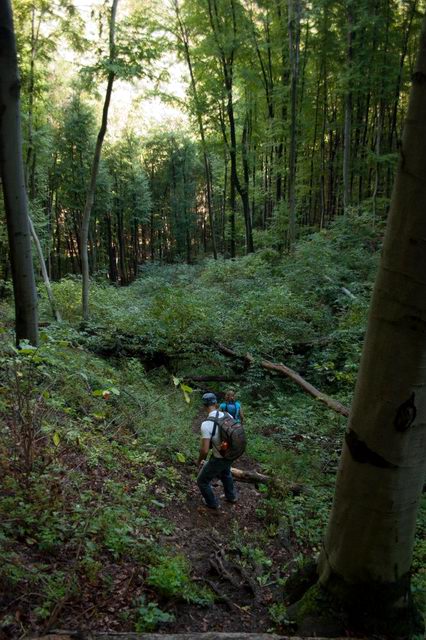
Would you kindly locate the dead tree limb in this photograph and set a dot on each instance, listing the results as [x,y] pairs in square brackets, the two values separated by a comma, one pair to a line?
[342,289]
[286,372]
[212,635]
[212,378]
[251,476]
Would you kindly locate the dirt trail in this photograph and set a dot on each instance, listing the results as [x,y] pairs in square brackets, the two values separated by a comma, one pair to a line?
[213,542]
[226,549]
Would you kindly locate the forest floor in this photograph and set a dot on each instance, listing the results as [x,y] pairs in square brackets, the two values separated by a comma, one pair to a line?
[221,549]
[109,532]
[210,540]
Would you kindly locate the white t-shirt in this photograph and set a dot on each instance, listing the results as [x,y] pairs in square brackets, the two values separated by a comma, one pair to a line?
[207,429]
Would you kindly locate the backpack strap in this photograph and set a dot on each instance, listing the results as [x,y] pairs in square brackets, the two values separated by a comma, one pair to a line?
[215,422]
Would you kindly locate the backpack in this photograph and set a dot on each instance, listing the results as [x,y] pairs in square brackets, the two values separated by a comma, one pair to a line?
[233,408]
[232,435]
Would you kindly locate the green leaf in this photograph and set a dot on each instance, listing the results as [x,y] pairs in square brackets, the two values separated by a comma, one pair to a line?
[185,387]
[115,391]
[97,393]
[176,381]
[180,457]
[56,439]
[186,396]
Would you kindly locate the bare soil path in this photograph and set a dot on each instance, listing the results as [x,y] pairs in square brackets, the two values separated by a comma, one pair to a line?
[214,543]
[228,552]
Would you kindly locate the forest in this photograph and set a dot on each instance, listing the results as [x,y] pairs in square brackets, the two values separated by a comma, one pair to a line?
[212,197]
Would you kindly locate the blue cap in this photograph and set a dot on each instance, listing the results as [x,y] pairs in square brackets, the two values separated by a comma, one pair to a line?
[209,399]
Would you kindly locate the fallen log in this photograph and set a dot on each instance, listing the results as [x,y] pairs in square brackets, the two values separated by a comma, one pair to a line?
[285,371]
[212,635]
[212,378]
[251,476]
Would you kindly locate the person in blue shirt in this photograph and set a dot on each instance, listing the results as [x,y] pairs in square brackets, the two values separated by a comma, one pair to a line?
[232,406]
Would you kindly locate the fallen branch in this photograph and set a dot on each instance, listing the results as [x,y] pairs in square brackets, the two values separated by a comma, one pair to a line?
[342,289]
[251,476]
[285,371]
[211,635]
[256,478]
[212,378]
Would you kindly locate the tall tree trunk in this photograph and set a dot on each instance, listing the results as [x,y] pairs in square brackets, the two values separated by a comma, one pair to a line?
[55,310]
[227,60]
[232,190]
[294,11]
[95,169]
[121,248]
[224,192]
[111,250]
[412,8]
[367,553]
[245,144]
[347,128]
[207,169]
[13,181]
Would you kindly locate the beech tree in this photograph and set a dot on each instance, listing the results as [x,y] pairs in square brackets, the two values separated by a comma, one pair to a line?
[294,10]
[13,183]
[366,557]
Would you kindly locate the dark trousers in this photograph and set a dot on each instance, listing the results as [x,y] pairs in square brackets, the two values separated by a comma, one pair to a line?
[216,468]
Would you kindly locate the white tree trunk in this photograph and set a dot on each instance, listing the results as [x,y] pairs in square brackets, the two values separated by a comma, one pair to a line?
[367,551]
[13,183]
[44,273]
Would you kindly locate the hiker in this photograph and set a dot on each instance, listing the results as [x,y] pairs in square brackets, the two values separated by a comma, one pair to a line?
[217,466]
[232,406]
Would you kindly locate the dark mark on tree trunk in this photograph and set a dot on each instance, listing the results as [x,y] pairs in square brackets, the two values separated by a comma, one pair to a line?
[405,414]
[360,452]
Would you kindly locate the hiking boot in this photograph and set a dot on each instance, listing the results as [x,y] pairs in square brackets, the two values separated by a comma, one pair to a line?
[231,500]
[210,508]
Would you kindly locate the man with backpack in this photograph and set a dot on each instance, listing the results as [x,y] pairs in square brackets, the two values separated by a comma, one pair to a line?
[225,437]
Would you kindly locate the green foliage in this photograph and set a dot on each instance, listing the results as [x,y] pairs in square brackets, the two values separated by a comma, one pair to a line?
[269,308]
[278,613]
[170,577]
[418,581]
[99,470]
[127,425]
[149,616]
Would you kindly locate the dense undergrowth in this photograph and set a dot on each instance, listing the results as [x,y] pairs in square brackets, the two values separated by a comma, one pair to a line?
[96,435]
